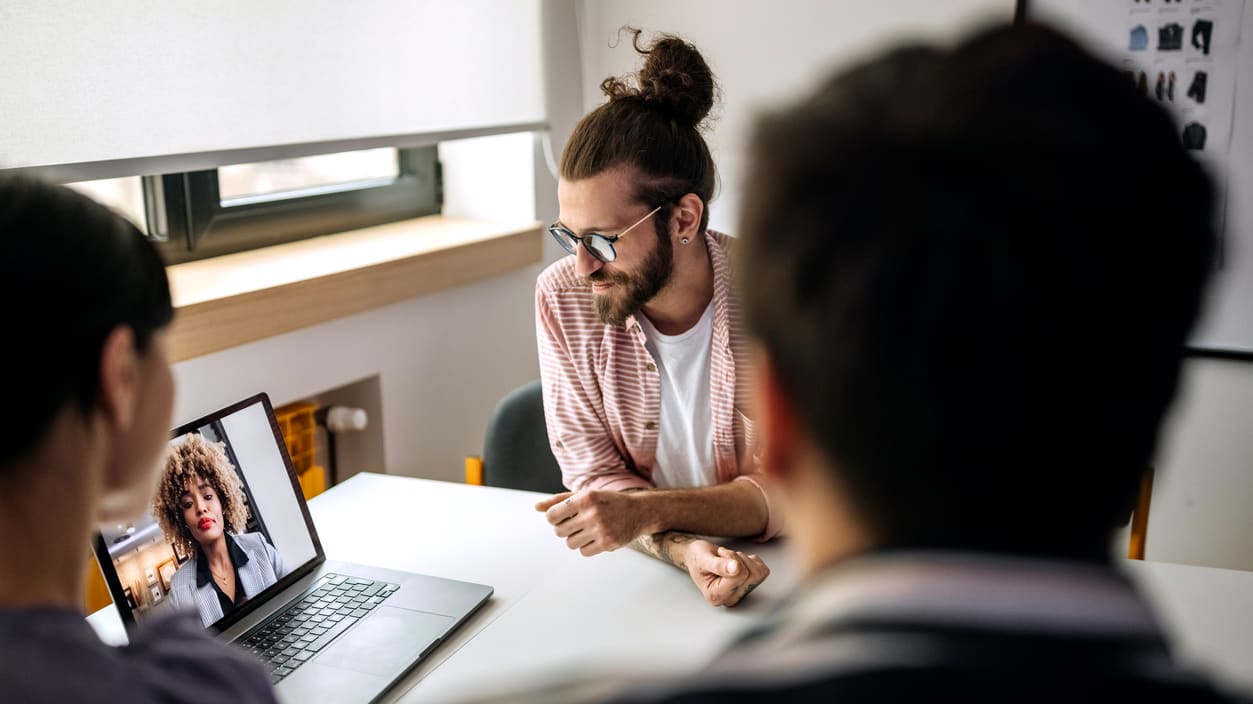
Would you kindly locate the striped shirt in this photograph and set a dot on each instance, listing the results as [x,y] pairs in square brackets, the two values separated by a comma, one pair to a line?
[602,391]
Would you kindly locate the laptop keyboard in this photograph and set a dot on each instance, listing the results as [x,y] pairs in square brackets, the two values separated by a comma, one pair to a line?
[289,639]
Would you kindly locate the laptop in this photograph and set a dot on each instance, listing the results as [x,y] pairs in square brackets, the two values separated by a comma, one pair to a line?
[327,630]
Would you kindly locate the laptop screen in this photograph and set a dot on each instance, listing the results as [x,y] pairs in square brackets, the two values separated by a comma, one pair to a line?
[227,528]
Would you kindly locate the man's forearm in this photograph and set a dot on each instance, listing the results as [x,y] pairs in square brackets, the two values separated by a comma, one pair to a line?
[734,509]
[667,546]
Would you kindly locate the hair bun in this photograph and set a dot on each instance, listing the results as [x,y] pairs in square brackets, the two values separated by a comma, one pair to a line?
[675,80]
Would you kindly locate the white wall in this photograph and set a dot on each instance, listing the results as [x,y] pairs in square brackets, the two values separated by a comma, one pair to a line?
[250,438]
[443,361]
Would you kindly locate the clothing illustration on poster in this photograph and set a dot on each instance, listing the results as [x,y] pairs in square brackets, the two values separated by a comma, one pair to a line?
[1196,89]
[1202,32]
[1170,37]
[1139,38]
[1194,136]
[1165,88]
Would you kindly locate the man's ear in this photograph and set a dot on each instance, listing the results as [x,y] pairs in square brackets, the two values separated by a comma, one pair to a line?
[686,217]
[778,434]
[119,378]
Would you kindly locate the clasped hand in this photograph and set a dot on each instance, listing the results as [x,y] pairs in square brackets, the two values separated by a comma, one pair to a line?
[593,522]
[724,576]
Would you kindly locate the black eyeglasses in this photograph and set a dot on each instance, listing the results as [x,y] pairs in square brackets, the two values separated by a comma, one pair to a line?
[600,246]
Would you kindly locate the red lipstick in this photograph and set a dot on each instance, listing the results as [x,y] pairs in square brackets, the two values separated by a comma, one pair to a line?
[205,523]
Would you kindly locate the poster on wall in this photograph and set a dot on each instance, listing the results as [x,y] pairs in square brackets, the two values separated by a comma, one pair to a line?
[1184,55]
[1188,56]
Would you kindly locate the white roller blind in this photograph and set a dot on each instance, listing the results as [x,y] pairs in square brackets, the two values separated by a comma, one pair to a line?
[147,79]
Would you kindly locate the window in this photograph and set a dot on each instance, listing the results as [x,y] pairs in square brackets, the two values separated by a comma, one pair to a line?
[233,208]
[203,214]
[241,184]
[125,195]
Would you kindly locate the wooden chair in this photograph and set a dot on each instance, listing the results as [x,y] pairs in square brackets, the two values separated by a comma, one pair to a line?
[1140,518]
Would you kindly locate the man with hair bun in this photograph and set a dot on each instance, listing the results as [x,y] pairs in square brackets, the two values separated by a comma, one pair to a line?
[641,342]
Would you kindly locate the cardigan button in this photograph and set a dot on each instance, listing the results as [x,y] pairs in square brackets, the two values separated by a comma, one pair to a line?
[650,367]
[650,425]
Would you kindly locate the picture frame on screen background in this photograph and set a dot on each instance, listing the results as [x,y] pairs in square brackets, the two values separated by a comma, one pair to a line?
[166,570]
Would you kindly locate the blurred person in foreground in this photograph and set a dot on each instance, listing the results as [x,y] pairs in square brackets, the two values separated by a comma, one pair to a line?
[90,393]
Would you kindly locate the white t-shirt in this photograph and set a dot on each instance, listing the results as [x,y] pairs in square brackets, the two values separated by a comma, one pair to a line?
[685,445]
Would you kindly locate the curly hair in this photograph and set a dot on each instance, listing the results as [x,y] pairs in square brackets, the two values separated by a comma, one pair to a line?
[196,457]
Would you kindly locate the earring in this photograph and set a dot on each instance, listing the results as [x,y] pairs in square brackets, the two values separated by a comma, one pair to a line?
[684,240]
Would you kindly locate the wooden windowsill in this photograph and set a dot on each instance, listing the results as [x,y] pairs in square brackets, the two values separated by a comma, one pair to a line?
[238,298]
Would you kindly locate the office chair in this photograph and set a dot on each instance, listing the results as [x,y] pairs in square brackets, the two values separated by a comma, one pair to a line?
[516,454]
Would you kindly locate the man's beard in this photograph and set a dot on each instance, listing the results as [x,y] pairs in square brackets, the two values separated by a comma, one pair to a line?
[632,291]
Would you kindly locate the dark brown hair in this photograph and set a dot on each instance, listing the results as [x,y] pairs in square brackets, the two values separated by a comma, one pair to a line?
[71,270]
[652,122]
[968,292]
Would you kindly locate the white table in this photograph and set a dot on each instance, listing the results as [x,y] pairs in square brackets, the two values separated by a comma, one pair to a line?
[1208,613]
[557,614]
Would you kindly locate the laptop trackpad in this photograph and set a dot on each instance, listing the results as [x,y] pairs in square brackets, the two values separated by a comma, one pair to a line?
[385,642]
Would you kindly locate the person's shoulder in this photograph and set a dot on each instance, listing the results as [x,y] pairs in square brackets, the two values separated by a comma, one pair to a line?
[721,250]
[176,652]
[852,685]
[564,300]
[724,241]
[561,277]
[251,541]
[185,575]
[53,655]
[705,688]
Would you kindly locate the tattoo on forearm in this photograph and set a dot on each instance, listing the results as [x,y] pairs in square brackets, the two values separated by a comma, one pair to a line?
[660,546]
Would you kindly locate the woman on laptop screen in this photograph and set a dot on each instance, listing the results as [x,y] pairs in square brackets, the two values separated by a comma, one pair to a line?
[202,510]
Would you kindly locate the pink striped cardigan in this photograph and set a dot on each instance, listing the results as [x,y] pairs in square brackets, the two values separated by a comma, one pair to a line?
[602,392]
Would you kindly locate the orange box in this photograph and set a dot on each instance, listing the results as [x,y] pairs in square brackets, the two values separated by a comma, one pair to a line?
[295,422]
[313,482]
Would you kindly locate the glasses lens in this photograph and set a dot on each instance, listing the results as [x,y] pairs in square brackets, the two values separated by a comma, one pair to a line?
[565,239]
[601,248]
